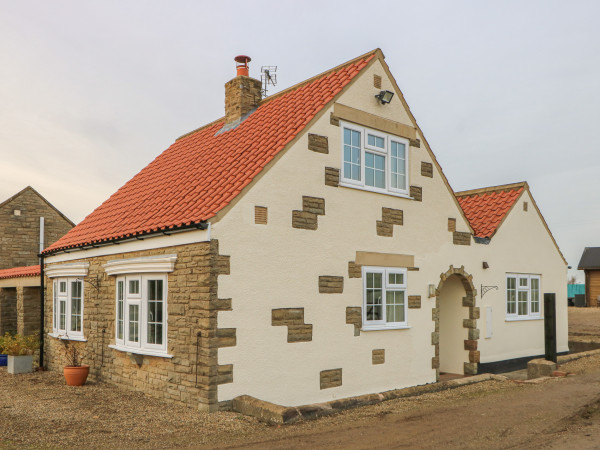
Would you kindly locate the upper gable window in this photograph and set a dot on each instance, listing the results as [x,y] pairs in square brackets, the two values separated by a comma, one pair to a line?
[374,161]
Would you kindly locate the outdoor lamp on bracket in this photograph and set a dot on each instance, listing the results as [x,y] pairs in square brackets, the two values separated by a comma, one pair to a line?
[385,97]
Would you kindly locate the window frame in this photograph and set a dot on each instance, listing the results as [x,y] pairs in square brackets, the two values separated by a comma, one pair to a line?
[141,301]
[65,298]
[385,152]
[386,287]
[528,291]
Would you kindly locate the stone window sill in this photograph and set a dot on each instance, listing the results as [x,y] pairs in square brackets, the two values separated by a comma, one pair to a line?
[66,337]
[523,319]
[140,351]
[384,327]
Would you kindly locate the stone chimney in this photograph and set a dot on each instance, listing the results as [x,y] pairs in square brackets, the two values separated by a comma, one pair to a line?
[242,94]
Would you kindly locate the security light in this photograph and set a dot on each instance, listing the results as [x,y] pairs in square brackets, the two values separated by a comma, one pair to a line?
[385,97]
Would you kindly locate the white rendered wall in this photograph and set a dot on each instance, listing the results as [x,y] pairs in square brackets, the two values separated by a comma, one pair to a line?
[277,266]
[521,245]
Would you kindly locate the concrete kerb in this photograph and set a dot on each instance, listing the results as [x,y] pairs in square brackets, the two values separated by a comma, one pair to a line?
[572,357]
[277,414]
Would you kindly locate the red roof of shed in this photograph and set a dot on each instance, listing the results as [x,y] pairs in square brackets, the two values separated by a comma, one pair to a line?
[18,272]
[202,172]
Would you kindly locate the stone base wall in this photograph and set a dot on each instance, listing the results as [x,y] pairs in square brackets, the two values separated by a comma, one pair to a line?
[8,310]
[192,305]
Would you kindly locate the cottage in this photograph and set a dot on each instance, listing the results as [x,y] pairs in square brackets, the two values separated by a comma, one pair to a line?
[303,248]
[590,264]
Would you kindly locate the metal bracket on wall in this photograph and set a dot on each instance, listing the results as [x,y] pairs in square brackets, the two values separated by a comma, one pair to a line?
[485,289]
[94,282]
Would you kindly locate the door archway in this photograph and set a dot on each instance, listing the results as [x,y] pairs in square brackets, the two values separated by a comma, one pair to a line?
[455,317]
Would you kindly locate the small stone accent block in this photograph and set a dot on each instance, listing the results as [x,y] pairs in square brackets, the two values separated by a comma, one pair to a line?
[226,337]
[318,143]
[307,218]
[331,284]
[414,301]
[415,143]
[451,224]
[470,344]
[461,238]
[313,205]
[354,317]
[293,318]
[389,218]
[378,356]
[426,169]
[331,378]
[393,216]
[354,270]
[416,193]
[332,177]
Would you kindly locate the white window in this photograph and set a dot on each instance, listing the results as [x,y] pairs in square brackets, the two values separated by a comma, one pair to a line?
[522,296]
[384,298]
[141,312]
[374,161]
[141,303]
[68,307]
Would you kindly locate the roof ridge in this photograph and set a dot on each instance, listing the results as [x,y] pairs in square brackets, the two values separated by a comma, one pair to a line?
[30,188]
[199,176]
[501,187]
[291,88]
[321,75]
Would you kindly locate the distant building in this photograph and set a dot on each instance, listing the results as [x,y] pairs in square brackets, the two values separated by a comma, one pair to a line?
[28,222]
[590,264]
[575,289]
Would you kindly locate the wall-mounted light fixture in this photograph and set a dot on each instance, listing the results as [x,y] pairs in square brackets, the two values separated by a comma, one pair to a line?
[385,97]
[431,290]
[486,265]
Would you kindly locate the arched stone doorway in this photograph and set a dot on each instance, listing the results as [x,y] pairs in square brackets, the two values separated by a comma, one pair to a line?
[455,317]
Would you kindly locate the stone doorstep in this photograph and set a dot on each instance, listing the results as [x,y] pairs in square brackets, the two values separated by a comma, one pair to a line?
[277,414]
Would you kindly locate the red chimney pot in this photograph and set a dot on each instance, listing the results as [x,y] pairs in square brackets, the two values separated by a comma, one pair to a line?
[242,65]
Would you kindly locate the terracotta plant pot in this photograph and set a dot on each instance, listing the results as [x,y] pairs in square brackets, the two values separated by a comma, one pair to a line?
[76,376]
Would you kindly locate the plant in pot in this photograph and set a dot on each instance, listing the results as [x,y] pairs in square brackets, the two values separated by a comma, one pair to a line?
[75,372]
[20,351]
[3,356]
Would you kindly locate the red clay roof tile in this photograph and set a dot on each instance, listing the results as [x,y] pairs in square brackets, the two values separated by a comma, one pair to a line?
[486,210]
[18,272]
[200,173]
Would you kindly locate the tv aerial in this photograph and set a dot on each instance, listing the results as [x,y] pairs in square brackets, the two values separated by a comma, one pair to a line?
[268,76]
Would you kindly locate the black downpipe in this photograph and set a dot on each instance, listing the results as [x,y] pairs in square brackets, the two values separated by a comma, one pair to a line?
[42,295]
[197,351]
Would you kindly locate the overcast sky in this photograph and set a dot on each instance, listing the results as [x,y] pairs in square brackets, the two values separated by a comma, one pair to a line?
[90,92]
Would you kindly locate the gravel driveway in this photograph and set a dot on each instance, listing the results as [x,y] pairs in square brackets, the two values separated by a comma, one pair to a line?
[39,410]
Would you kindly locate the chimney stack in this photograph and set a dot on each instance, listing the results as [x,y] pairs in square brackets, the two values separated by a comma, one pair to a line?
[242,94]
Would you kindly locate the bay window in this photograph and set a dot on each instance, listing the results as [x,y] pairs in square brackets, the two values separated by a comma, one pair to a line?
[68,299]
[141,300]
[141,312]
[67,307]
[374,161]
